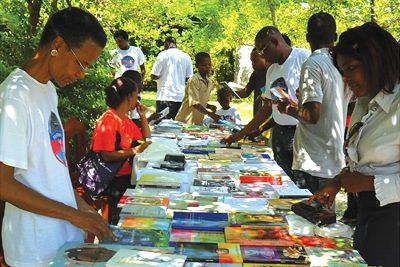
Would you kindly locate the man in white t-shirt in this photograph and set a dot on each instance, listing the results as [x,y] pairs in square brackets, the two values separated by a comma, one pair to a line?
[126,57]
[171,70]
[284,73]
[321,111]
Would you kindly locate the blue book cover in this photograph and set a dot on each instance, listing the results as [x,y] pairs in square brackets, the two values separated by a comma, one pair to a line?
[200,221]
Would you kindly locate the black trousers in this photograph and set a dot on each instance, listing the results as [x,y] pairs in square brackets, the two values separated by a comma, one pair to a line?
[306,180]
[115,191]
[173,108]
[377,231]
[282,146]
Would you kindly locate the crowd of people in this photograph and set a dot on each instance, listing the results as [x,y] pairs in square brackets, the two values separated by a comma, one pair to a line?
[303,94]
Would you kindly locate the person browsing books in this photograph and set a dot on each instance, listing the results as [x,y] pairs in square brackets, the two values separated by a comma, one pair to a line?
[368,58]
[321,111]
[42,210]
[113,124]
[226,112]
[197,93]
[284,73]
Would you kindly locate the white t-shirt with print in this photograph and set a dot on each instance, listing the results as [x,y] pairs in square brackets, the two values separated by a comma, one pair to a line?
[318,148]
[287,77]
[32,141]
[129,59]
[173,67]
[230,114]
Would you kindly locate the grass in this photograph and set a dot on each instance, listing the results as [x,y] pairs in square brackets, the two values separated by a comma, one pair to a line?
[245,109]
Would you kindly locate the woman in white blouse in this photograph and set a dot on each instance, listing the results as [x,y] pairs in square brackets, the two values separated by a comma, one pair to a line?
[368,59]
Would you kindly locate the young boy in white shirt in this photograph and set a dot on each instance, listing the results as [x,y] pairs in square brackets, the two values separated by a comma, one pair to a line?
[228,113]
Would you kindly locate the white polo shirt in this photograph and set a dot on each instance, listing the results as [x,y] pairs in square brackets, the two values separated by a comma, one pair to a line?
[173,67]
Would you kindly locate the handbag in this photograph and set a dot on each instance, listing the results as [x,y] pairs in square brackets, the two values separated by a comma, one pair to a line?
[314,213]
[95,174]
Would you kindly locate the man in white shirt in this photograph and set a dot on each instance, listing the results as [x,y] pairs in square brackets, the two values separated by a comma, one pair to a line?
[126,57]
[321,109]
[284,73]
[171,70]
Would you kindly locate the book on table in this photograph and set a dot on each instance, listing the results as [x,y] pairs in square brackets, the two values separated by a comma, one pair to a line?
[127,257]
[274,254]
[145,206]
[144,223]
[139,237]
[259,236]
[200,221]
[208,252]
[195,236]
[251,219]
[333,258]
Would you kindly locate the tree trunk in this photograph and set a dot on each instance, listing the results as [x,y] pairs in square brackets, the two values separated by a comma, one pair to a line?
[54,6]
[372,8]
[272,8]
[34,15]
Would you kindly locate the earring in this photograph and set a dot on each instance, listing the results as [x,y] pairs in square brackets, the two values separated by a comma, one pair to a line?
[54,53]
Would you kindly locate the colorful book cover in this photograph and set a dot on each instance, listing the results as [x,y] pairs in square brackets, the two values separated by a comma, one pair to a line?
[88,254]
[266,236]
[193,205]
[126,257]
[240,218]
[200,221]
[145,223]
[206,252]
[159,180]
[248,179]
[215,183]
[139,237]
[203,190]
[144,211]
[195,236]
[147,200]
[283,203]
[334,258]
[214,177]
[272,254]
[248,205]
[211,264]
[275,265]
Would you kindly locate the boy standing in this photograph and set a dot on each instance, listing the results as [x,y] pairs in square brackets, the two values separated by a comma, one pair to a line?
[197,93]
[228,113]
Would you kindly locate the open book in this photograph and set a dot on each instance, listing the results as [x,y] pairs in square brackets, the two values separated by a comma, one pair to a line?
[233,87]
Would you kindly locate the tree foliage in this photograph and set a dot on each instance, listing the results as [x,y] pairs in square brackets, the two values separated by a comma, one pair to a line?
[219,27]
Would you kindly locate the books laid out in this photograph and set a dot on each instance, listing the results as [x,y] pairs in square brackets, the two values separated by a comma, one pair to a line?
[88,254]
[271,254]
[231,157]
[139,237]
[266,236]
[205,176]
[215,183]
[193,205]
[195,236]
[247,176]
[261,190]
[203,190]
[145,206]
[251,219]
[205,221]
[292,192]
[211,264]
[126,257]
[243,204]
[159,180]
[283,203]
[144,223]
[208,252]
[331,257]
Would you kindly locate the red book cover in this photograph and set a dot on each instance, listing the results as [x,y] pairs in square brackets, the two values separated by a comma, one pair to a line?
[249,179]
